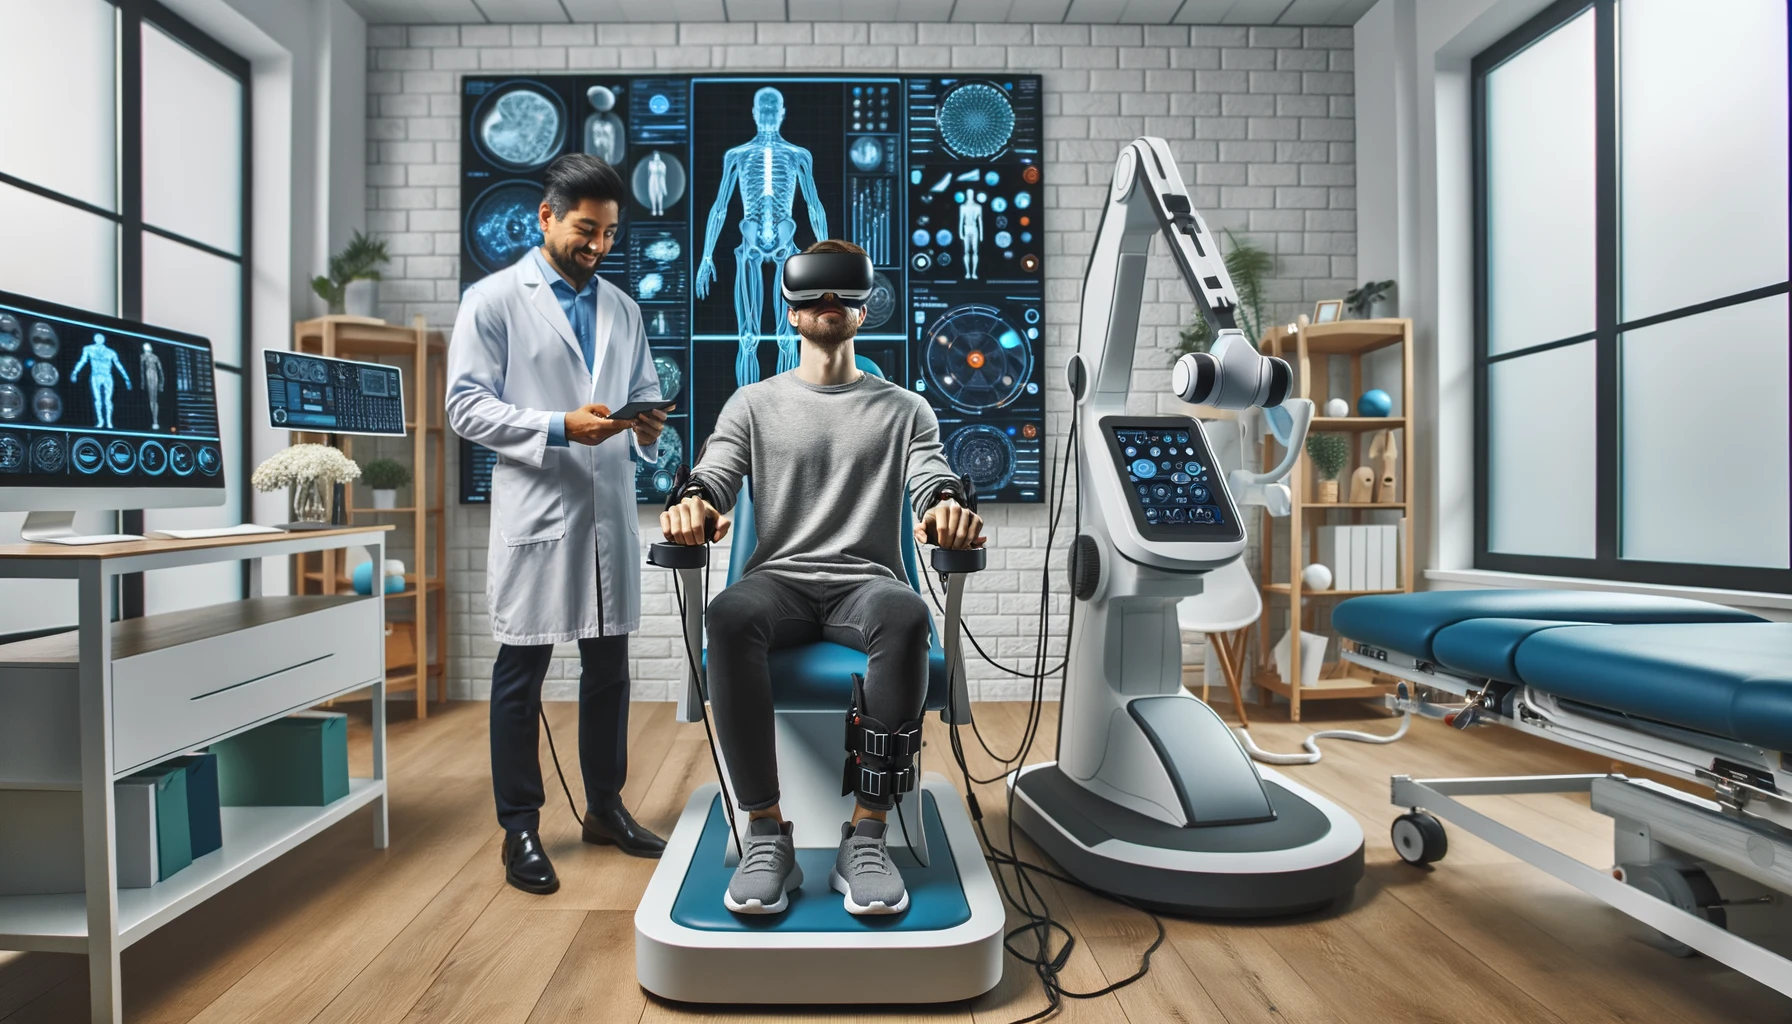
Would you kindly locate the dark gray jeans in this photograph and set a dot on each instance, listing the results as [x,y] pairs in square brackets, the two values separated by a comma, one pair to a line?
[764,611]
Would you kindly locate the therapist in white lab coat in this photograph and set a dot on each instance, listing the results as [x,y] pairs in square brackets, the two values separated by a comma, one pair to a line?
[542,351]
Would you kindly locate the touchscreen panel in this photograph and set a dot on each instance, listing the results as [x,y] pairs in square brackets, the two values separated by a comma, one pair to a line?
[1170,480]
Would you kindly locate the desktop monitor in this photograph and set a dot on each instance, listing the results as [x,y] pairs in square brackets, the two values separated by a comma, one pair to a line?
[334,396]
[102,413]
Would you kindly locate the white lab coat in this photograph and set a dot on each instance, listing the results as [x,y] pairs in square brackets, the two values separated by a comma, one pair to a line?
[564,559]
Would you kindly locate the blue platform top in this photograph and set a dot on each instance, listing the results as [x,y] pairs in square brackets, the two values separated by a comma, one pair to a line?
[936,899]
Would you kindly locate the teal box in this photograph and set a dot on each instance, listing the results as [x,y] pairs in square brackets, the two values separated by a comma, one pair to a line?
[297,761]
[174,836]
[204,822]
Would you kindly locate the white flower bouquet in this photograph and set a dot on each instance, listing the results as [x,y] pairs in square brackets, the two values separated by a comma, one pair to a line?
[304,462]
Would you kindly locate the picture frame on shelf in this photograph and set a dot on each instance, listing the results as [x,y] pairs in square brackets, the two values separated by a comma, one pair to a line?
[1328,311]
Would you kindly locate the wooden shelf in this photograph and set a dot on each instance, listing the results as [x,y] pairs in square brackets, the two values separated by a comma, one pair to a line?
[1323,424]
[1353,337]
[1284,589]
[1346,688]
[1354,504]
[356,510]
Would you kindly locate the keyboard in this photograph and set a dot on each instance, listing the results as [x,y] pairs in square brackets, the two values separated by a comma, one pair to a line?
[241,530]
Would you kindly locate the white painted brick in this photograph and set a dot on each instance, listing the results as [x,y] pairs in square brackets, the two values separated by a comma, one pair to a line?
[485,35]
[785,32]
[814,56]
[568,35]
[846,33]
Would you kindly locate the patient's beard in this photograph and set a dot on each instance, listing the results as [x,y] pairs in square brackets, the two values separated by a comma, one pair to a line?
[827,335]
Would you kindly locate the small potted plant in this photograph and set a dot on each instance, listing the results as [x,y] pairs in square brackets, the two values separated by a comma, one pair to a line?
[353,286]
[1329,453]
[385,476]
[308,470]
[1373,301]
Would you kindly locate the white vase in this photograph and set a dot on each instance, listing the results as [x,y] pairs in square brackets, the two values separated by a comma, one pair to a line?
[361,298]
[385,498]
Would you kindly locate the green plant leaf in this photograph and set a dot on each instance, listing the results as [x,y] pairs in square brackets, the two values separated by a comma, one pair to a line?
[1329,452]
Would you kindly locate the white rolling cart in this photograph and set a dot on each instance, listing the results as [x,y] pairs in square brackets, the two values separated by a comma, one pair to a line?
[151,688]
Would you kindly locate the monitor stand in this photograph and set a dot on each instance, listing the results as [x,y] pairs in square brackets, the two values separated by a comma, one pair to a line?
[59,528]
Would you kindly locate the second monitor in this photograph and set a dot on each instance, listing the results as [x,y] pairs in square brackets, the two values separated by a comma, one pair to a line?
[334,396]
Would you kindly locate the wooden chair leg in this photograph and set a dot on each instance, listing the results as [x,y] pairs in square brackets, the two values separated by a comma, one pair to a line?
[1229,659]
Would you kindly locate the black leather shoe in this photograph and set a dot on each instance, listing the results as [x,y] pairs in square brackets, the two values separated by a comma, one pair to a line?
[614,825]
[526,864]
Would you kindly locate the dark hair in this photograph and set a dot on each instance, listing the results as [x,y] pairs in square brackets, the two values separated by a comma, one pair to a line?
[578,176]
[835,245]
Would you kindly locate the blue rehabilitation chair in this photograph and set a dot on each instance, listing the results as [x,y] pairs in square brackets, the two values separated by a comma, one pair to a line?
[690,948]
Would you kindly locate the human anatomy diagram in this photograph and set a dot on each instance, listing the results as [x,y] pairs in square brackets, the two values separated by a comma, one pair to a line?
[656,183]
[149,371]
[767,171]
[104,362]
[970,231]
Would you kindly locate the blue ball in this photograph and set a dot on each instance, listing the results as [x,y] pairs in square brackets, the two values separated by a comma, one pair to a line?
[1375,402]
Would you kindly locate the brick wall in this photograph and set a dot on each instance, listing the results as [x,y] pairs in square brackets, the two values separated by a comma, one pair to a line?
[1261,120]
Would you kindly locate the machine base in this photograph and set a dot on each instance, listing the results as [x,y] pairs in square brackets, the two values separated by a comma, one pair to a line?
[1310,856]
[947,946]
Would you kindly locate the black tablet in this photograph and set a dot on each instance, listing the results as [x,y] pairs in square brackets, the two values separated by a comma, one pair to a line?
[633,409]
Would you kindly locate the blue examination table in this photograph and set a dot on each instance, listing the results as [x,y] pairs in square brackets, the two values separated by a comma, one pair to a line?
[1689,689]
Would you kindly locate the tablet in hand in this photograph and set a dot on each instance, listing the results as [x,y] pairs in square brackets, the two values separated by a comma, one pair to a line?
[634,409]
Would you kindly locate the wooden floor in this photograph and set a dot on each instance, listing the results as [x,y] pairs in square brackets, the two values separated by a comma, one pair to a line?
[427,931]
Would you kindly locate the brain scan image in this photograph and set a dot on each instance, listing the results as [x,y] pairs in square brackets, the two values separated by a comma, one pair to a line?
[44,342]
[48,453]
[12,453]
[663,249]
[650,285]
[976,360]
[984,454]
[46,405]
[11,369]
[503,224]
[879,304]
[43,374]
[657,478]
[671,375]
[10,336]
[866,153]
[658,182]
[12,402]
[604,137]
[976,120]
[520,127]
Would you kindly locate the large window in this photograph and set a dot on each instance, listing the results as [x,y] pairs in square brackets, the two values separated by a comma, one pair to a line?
[124,184]
[1631,298]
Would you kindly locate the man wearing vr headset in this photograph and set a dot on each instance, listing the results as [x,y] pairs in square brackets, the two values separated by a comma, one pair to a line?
[831,451]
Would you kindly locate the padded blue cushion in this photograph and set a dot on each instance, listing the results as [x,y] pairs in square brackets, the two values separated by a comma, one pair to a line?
[1485,648]
[936,897]
[1727,679]
[1409,623]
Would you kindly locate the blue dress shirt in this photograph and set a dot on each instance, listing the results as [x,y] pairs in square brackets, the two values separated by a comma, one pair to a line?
[581,311]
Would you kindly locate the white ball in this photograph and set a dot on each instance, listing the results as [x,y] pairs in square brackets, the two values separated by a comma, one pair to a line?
[1316,577]
[1337,407]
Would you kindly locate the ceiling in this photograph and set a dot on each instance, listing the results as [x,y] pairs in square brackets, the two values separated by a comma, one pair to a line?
[1075,12]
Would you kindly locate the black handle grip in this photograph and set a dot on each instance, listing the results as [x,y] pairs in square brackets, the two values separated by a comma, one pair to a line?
[950,562]
[677,556]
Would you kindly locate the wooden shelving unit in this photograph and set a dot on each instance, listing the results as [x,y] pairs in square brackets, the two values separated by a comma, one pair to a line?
[416,617]
[1310,351]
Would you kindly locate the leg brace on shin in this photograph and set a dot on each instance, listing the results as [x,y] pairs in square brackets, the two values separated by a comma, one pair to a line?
[880,760]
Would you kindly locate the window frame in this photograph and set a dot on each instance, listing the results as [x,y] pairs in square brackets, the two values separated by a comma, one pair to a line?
[1606,334]
[127,219]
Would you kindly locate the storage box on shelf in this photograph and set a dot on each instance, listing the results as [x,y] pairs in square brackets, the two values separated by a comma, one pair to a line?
[1311,350]
[419,613]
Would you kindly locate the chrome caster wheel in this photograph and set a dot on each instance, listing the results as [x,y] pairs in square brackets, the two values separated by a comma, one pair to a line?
[1419,838]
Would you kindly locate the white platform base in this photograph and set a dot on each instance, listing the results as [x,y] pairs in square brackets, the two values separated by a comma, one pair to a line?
[783,967]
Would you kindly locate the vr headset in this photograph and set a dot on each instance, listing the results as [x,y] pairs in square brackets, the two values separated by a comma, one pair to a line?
[809,276]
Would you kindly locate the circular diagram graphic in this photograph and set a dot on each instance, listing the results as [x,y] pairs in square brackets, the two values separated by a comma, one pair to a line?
[88,454]
[292,368]
[46,405]
[879,304]
[209,460]
[866,154]
[671,376]
[43,374]
[12,402]
[982,453]
[10,338]
[658,477]
[658,181]
[604,138]
[180,459]
[44,343]
[503,224]
[976,120]
[121,458]
[12,453]
[11,369]
[519,126]
[48,453]
[152,458]
[976,360]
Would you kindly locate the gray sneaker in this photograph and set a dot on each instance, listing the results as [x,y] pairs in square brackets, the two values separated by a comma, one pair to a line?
[768,872]
[863,872]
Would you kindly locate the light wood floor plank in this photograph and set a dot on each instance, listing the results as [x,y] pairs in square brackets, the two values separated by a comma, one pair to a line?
[595,982]
[498,970]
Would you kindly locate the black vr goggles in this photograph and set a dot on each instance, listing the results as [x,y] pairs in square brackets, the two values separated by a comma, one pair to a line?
[810,275]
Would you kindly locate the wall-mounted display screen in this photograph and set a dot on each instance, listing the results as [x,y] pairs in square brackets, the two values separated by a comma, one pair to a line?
[334,396]
[1170,480]
[93,401]
[939,178]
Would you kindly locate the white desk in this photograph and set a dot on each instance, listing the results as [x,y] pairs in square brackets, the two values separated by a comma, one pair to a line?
[176,682]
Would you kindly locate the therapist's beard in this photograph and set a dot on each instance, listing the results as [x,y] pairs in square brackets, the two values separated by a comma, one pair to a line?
[566,261]
[827,335]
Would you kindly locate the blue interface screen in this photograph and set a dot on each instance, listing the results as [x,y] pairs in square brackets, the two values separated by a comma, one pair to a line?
[1170,477]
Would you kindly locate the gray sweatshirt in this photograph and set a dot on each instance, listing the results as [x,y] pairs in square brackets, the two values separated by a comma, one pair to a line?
[828,467]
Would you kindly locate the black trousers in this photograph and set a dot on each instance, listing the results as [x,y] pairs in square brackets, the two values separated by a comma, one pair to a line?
[516,726]
[762,611]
